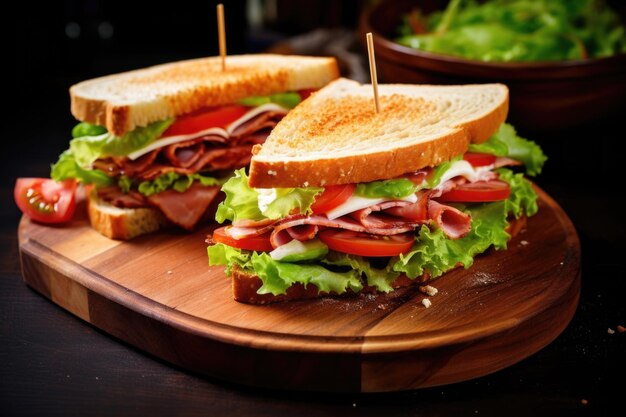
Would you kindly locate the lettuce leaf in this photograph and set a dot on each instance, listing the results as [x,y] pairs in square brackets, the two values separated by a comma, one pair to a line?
[220,254]
[87,149]
[506,142]
[396,188]
[379,278]
[286,100]
[435,253]
[75,162]
[172,180]
[278,276]
[87,129]
[291,200]
[242,202]
[67,168]
[523,199]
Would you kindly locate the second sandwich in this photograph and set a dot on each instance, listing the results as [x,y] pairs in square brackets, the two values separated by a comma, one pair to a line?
[341,199]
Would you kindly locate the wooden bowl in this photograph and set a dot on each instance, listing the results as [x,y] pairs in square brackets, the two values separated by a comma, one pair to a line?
[543,95]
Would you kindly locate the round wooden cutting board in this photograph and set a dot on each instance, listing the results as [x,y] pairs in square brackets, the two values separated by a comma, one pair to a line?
[158,293]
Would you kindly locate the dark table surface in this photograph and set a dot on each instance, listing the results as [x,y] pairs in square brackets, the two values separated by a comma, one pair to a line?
[52,363]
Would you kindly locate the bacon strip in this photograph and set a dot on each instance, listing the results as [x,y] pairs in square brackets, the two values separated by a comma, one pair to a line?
[185,209]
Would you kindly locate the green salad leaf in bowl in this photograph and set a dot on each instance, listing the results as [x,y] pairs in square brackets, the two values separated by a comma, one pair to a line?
[517,30]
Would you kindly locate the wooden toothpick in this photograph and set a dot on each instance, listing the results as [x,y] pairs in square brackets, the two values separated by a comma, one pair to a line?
[221,33]
[372,59]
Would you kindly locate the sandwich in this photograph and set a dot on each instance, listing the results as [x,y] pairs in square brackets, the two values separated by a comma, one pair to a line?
[156,144]
[341,200]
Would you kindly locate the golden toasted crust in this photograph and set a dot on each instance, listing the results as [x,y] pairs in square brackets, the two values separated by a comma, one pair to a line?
[245,284]
[123,224]
[336,137]
[121,102]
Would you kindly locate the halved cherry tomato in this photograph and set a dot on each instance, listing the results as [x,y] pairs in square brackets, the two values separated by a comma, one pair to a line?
[478,159]
[305,93]
[333,196]
[45,200]
[478,192]
[205,119]
[364,244]
[260,243]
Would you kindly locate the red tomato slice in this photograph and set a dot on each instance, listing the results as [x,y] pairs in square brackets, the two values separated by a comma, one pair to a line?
[205,119]
[45,200]
[260,243]
[304,94]
[364,244]
[479,192]
[333,196]
[477,159]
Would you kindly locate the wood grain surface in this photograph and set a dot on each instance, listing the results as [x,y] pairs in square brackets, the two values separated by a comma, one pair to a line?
[158,293]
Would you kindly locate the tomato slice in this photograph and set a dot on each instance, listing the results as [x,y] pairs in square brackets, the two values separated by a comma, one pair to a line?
[333,196]
[478,192]
[205,119]
[478,159]
[364,244]
[45,200]
[259,243]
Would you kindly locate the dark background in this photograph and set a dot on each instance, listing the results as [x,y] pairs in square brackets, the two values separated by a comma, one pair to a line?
[52,363]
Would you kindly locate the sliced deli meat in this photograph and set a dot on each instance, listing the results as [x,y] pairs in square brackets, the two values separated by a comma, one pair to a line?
[454,223]
[185,209]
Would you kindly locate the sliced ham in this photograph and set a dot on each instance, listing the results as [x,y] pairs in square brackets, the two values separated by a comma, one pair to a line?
[185,209]
[454,223]
[345,222]
[371,219]
[417,211]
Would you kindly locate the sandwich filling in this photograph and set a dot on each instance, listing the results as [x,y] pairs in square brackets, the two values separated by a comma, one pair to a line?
[176,165]
[349,237]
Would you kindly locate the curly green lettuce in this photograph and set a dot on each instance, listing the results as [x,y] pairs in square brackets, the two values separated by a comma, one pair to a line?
[506,142]
[242,201]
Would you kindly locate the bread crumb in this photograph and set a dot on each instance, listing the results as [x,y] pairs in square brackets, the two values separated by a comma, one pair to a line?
[584,401]
[524,242]
[382,307]
[169,272]
[426,302]
[610,331]
[271,172]
[621,329]
[305,184]
[429,290]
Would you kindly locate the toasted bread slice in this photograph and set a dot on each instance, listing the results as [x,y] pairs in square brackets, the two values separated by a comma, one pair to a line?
[336,136]
[123,223]
[124,101]
[246,284]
